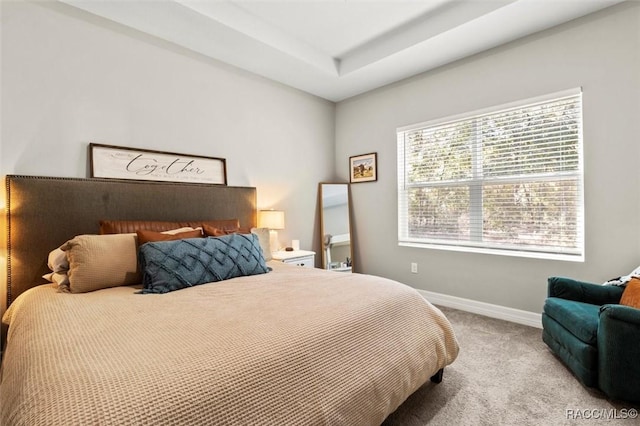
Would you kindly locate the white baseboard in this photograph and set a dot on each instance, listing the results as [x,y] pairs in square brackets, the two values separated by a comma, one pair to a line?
[487,309]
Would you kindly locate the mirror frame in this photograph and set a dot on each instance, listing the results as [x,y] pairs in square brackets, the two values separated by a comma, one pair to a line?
[322,224]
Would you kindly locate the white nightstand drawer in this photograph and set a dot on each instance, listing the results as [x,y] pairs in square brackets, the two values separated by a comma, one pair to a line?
[307,262]
[306,259]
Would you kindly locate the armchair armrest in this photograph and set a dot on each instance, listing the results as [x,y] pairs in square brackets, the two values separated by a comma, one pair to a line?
[626,314]
[580,291]
[618,352]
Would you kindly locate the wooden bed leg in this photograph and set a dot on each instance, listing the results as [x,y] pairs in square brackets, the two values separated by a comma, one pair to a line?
[437,378]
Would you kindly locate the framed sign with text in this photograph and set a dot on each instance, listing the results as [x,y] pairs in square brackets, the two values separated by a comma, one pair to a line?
[116,162]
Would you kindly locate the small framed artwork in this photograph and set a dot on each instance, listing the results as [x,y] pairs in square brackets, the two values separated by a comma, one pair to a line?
[117,162]
[363,168]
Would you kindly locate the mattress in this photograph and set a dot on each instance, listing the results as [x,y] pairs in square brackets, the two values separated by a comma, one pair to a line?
[294,346]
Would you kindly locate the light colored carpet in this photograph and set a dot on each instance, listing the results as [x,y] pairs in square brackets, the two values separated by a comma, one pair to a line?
[506,375]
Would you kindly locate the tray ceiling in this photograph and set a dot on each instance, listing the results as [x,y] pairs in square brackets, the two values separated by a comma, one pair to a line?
[338,49]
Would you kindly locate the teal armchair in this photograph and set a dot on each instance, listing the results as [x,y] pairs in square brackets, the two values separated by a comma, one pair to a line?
[598,339]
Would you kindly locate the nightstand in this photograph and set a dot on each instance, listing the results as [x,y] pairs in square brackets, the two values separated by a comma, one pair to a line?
[303,258]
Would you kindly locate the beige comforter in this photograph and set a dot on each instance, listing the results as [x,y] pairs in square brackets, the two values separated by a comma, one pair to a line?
[296,346]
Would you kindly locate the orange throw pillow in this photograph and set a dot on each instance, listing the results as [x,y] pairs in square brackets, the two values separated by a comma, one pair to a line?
[631,294]
[145,236]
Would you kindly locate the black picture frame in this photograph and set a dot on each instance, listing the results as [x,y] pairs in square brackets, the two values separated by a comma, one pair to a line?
[363,168]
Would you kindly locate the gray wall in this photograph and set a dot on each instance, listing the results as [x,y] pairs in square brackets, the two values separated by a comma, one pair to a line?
[600,53]
[69,78]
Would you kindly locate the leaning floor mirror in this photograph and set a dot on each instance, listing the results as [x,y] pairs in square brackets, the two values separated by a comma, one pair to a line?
[335,225]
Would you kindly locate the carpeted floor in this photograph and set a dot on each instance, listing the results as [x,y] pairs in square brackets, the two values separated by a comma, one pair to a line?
[506,375]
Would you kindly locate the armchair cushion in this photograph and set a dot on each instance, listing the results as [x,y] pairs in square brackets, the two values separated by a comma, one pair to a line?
[580,319]
[631,294]
[580,291]
[581,358]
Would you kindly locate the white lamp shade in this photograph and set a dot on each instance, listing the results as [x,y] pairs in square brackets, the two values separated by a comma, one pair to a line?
[272,219]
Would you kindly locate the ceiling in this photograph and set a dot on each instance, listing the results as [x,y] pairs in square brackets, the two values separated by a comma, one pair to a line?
[336,49]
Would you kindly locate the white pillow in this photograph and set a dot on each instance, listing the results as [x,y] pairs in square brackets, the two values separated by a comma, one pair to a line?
[263,237]
[60,278]
[57,260]
[180,230]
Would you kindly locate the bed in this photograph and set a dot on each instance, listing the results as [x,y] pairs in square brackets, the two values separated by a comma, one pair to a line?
[288,346]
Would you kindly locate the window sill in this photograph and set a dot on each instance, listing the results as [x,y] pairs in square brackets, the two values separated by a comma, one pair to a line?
[498,252]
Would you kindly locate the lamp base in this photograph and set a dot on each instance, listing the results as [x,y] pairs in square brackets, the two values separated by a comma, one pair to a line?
[274,244]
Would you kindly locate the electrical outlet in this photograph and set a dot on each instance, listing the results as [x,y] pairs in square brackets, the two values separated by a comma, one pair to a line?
[414,268]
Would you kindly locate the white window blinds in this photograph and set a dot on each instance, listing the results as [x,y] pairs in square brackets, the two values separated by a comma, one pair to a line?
[507,179]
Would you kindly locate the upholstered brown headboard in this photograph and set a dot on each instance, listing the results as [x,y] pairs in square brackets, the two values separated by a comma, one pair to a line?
[44,212]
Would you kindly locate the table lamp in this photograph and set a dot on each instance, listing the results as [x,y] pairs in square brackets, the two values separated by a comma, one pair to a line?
[274,220]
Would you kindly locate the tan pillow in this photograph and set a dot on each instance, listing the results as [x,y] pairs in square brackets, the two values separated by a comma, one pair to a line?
[101,261]
[130,226]
[265,244]
[145,236]
[631,294]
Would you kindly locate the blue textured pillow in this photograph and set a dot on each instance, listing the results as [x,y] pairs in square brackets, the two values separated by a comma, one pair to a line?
[172,265]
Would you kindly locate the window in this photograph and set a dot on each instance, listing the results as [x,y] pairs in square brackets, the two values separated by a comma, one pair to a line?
[505,180]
